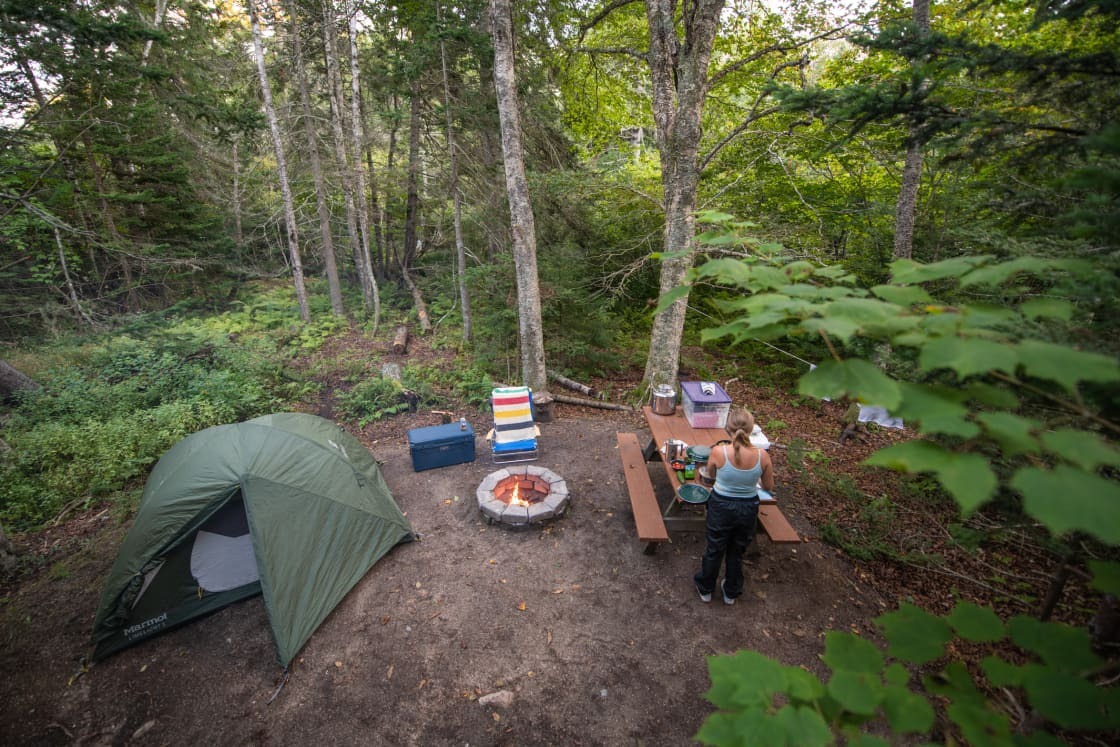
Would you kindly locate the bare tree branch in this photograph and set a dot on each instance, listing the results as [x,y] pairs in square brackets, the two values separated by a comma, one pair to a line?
[718,77]
[614,50]
[751,118]
[606,10]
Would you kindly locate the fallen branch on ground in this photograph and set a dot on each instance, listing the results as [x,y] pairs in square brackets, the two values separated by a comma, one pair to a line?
[590,403]
[573,385]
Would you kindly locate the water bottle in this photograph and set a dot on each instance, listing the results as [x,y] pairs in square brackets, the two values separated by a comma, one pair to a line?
[462,424]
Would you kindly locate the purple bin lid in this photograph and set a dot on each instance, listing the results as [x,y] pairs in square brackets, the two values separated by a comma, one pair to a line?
[695,392]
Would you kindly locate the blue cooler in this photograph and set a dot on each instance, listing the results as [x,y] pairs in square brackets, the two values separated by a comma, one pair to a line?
[440,446]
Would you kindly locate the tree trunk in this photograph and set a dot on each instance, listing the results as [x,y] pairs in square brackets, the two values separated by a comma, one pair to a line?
[907,208]
[71,293]
[456,203]
[679,74]
[418,301]
[520,208]
[342,161]
[292,234]
[390,163]
[356,128]
[12,381]
[412,202]
[573,385]
[400,340]
[238,231]
[334,287]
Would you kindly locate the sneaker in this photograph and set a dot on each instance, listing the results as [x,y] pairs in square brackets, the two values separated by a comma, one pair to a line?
[705,598]
[726,599]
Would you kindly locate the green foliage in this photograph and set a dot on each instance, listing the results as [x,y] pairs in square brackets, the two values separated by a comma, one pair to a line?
[1004,407]
[1048,667]
[105,415]
[372,399]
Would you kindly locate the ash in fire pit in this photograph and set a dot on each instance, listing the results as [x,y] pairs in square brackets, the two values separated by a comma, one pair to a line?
[522,494]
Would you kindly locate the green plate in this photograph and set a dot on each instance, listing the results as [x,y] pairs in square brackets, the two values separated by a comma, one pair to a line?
[693,493]
[699,454]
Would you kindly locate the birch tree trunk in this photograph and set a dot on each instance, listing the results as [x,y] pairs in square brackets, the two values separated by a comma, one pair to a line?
[907,208]
[292,235]
[356,129]
[533,370]
[456,209]
[412,200]
[679,74]
[238,231]
[322,208]
[342,161]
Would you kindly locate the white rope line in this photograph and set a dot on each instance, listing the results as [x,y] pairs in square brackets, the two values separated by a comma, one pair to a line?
[775,347]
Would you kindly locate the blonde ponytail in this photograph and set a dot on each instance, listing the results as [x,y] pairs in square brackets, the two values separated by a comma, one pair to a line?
[740,424]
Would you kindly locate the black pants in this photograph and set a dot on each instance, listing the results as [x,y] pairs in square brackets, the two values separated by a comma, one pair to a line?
[730,530]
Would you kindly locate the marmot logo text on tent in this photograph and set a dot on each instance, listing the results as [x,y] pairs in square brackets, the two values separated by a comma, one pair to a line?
[146,627]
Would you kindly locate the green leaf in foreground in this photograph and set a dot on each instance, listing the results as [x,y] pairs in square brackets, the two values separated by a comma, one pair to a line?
[1086,450]
[1012,432]
[1060,646]
[967,356]
[850,653]
[1064,365]
[1067,499]
[853,378]
[1072,702]
[858,692]
[906,711]
[936,409]
[975,623]
[743,679]
[1047,308]
[1106,576]
[915,635]
[967,477]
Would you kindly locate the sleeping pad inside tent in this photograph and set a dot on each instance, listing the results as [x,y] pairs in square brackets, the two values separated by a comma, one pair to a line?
[289,506]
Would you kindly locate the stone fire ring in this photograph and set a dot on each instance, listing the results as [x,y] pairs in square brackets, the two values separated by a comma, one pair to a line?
[552,505]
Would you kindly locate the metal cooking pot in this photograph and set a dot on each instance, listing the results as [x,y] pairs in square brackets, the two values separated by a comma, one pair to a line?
[675,449]
[664,399]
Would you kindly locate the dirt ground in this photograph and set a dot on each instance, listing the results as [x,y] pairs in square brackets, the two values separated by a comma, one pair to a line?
[559,634]
[595,642]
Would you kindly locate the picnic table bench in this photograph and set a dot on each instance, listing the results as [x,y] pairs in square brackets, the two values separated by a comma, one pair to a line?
[653,522]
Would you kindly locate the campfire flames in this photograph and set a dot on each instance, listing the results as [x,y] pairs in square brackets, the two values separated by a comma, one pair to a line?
[522,495]
[521,491]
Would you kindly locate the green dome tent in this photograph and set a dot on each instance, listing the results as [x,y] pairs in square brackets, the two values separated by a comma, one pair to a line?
[288,505]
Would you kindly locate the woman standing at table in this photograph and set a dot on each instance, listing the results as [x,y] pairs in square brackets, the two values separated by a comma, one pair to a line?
[732,514]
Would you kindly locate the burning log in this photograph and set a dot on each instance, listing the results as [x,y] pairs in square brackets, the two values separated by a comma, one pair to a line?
[573,385]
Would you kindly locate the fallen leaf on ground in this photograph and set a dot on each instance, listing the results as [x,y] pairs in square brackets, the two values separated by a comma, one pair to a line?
[338,664]
[389,672]
[521,606]
[557,591]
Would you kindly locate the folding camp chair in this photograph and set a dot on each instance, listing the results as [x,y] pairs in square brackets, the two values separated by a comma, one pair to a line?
[514,435]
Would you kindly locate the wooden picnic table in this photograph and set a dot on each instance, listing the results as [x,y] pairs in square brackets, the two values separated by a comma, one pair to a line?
[676,426]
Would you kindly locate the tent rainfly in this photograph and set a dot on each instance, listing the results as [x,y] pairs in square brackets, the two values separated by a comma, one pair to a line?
[289,506]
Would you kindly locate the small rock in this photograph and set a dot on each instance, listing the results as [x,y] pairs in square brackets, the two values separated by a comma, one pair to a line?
[501,699]
[147,727]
